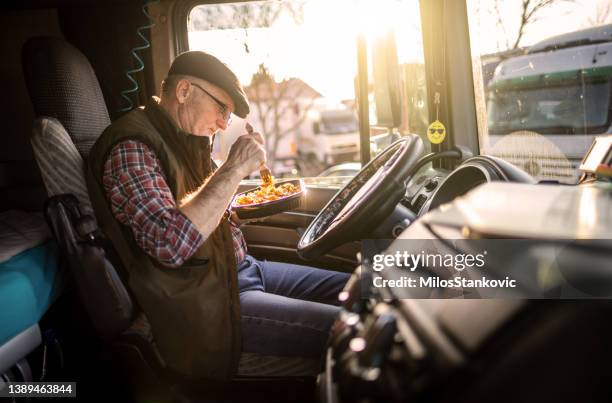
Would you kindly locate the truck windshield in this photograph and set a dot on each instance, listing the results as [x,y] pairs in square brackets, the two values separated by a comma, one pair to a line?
[570,109]
[542,83]
[339,124]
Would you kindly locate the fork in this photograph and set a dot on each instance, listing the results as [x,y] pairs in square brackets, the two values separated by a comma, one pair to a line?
[264,170]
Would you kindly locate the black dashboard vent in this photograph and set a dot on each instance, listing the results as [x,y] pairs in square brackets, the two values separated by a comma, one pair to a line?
[418,203]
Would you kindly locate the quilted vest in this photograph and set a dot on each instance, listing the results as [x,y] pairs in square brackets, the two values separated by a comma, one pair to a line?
[194,310]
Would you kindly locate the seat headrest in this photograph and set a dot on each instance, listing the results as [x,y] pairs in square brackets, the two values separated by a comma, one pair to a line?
[62,85]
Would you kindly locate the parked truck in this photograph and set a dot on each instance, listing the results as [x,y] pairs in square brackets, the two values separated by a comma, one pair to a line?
[546,106]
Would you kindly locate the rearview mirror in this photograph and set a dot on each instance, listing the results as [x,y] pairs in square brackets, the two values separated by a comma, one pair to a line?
[386,82]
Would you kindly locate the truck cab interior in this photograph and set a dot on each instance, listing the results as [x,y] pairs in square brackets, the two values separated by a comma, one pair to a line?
[435,85]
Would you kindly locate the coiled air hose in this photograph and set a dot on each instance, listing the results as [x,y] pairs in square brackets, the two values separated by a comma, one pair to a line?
[140,64]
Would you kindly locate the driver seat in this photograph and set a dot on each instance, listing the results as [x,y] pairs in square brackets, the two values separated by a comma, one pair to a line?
[72,114]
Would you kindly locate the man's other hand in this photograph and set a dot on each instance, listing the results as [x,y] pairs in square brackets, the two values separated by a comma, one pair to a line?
[247,153]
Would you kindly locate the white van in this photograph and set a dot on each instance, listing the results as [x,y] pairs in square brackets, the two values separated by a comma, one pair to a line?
[546,106]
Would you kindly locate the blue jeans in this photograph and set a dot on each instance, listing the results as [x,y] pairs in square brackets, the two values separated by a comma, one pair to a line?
[287,309]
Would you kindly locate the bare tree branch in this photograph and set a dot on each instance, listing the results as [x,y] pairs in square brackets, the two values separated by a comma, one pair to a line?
[529,13]
[260,105]
[226,16]
[280,105]
[500,23]
[274,102]
[298,123]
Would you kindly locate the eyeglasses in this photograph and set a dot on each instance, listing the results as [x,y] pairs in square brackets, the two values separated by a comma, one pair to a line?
[432,130]
[223,108]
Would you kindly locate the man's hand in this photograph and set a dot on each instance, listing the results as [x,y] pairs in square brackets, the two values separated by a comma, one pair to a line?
[206,208]
[247,153]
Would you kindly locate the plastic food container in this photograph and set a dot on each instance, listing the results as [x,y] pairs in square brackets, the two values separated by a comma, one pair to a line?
[268,208]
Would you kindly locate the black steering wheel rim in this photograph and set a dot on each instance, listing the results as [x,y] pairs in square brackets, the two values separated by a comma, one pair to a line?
[367,198]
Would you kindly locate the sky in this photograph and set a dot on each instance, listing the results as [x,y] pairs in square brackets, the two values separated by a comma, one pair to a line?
[322,50]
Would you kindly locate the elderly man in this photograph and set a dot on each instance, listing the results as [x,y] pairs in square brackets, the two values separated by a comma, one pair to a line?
[159,198]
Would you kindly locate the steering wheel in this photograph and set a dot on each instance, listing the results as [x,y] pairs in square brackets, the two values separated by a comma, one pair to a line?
[366,200]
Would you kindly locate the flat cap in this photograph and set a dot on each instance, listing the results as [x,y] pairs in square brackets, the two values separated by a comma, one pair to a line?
[207,67]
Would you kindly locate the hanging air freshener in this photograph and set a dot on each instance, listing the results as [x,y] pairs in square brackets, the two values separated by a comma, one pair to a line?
[436,132]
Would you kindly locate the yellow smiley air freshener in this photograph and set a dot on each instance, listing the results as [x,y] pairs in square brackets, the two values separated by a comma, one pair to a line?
[436,132]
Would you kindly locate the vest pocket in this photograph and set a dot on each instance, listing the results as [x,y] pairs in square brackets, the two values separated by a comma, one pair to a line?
[186,277]
[196,263]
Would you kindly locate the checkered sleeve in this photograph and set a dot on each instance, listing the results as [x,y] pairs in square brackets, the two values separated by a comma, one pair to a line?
[240,246]
[141,199]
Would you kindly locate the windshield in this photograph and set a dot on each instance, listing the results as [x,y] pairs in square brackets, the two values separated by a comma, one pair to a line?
[339,123]
[542,84]
[570,109]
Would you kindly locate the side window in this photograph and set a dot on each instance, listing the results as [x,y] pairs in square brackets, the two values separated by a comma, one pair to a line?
[543,74]
[297,60]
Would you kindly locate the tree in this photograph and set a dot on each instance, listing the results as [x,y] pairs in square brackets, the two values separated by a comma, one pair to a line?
[253,15]
[281,107]
[529,13]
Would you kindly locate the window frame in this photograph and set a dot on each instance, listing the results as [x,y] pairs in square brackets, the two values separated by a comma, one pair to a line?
[450,47]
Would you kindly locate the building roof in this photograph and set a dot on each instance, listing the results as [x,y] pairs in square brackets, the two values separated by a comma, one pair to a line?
[291,88]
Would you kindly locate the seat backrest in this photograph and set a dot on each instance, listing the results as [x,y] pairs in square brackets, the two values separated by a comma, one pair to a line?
[72,114]
[62,85]
[61,166]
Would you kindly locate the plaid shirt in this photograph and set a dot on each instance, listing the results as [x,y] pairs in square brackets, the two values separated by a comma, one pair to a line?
[141,199]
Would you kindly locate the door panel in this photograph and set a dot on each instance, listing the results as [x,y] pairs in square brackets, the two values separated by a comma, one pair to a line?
[279,244]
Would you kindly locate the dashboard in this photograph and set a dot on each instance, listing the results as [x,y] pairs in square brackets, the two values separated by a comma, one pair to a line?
[432,187]
[388,347]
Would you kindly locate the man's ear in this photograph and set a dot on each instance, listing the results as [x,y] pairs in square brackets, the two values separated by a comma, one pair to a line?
[182,90]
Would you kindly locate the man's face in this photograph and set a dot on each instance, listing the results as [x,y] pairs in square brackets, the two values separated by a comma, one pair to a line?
[203,108]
